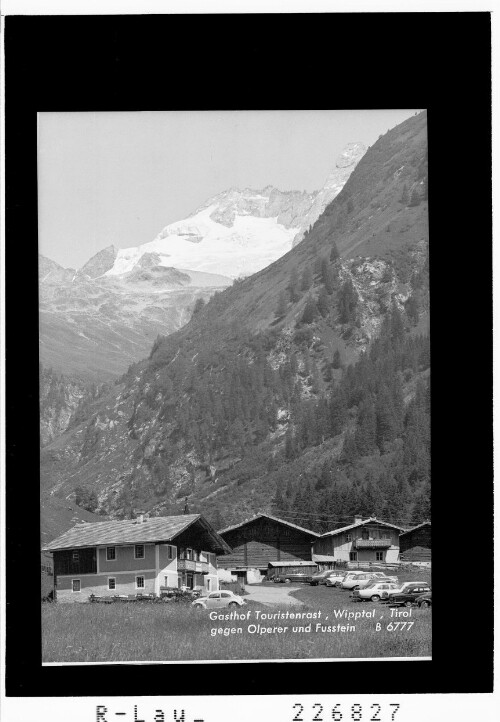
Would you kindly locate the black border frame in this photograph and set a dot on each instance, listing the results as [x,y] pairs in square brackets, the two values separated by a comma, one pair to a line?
[438,61]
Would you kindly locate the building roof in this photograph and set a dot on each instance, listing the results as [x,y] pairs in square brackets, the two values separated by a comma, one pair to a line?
[323,558]
[132,531]
[371,520]
[419,526]
[291,564]
[273,518]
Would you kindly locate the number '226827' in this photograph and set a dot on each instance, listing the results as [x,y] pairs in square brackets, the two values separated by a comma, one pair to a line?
[355,713]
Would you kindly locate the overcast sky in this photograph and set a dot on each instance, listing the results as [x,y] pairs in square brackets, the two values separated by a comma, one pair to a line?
[119,178]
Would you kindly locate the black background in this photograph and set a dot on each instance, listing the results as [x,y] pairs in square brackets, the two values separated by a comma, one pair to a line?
[438,61]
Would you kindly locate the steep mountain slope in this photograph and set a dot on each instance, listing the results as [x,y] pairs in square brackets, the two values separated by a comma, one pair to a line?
[62,400]
[248,403]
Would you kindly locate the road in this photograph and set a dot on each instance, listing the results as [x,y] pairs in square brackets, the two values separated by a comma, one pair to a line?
[272,595]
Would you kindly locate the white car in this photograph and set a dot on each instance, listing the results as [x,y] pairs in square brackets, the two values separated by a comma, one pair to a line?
[218,600]
[334,579]
[384,577]
[357,580]
[376,591]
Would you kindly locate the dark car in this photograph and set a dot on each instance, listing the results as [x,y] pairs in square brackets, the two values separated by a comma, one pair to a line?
[291,577]
[425,600]
[409,595]
[319,577]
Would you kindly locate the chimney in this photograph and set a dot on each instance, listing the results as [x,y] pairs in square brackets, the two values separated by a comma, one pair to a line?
[139,518]
[358,519]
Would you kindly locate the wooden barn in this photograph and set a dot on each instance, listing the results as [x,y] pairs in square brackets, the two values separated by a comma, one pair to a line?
[135,557]
[261,540]
[415,544]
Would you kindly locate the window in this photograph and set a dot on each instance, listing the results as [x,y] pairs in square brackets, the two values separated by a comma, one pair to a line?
[225,594]
[379,556]
[353,556]
[139,551]
[110,554]
[215,595]
[111,583]
[348,537]
[76,585]
[75,557]
[139,582]
[189,554]
[170,552]
[365,534]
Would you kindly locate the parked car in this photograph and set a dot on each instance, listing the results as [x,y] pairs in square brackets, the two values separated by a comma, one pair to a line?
[357,581]
[408,595]
[291,577]
[425,600]
[218,600]
[384,577]
[334,579]
[319,577]
[375,591]
[402,587]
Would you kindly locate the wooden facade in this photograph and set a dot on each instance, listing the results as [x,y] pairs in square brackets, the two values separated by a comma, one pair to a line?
[415,544]
[264,539]
[365,541]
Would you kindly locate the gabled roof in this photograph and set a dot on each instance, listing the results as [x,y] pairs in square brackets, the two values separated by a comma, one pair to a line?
[419,526]
[273,518]
[131,531]
[371,520]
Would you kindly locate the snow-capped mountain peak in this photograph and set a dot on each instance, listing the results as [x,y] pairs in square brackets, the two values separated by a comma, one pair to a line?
[239,231]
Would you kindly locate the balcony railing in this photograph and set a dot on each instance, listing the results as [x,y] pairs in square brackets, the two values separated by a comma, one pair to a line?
[372,543]
[187,565]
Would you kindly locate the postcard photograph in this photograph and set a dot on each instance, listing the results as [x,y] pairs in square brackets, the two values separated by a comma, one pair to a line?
[234,386]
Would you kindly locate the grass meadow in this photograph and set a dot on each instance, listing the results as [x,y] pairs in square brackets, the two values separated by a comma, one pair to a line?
[168,632]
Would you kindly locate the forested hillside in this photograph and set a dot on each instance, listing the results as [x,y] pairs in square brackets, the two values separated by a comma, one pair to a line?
[302,390]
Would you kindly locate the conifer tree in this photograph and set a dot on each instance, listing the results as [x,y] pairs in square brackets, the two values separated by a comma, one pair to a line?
[323,302]
[397,324]
[349,450]
[386,422]
[337,360]
[366,428]
[327,276]
[293,285]
[307,279]
[334,253]
[310,311]
[338,411]
[199,304]
[281,307]
[347,301]
[411,307]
